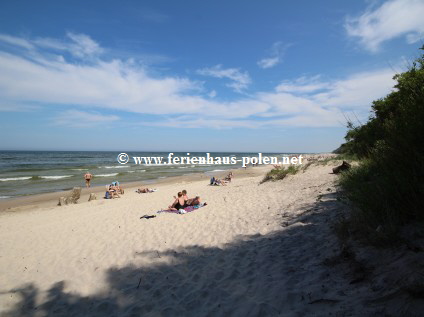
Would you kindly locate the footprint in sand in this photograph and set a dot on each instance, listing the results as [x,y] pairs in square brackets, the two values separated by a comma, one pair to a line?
[104,307]
[196,278]
[204,294]
[234,274]
[219,275]
[157,293]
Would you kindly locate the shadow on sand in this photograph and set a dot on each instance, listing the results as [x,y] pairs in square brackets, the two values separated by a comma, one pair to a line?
[280,274]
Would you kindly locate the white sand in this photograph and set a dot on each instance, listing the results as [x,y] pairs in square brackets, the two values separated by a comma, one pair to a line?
[255,250]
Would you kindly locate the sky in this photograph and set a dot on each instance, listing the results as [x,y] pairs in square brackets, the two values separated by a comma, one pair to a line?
[238,76]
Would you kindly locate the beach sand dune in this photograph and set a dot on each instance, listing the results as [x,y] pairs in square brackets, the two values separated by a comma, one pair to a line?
[254,250]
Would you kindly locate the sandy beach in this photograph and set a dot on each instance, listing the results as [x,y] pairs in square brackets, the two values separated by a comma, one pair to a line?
[254,250]
[166,95]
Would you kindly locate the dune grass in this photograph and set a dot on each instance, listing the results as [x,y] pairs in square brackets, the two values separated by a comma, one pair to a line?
[280,173]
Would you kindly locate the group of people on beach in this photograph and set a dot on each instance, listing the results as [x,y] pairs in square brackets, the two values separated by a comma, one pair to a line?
[181,201]
[223,182]
[113,190]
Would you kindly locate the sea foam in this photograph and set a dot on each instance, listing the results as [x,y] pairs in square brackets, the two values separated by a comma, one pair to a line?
[15,178]
[56,177]
[107,175]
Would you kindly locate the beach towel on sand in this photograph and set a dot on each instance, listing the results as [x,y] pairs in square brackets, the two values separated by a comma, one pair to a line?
[186,209]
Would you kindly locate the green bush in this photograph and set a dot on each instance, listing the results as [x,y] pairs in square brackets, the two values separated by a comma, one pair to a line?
[388,187]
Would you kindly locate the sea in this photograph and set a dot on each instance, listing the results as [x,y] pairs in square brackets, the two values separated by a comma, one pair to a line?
[24,173]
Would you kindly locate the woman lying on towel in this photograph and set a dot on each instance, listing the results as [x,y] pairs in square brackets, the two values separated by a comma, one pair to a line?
[145,190]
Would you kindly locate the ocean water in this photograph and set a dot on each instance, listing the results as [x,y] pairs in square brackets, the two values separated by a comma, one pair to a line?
[34,172]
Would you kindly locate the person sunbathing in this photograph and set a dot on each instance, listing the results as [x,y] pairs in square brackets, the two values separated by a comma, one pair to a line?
[184,192]
[145,190]
[220,182]
[118,187]
[229,177]
[179,202]
[113,193]
[194,201]
[190,201]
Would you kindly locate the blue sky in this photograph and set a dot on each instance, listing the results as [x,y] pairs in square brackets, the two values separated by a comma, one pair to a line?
[270,76]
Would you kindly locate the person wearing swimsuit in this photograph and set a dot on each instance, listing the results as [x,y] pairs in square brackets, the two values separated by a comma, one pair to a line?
[179,202]
[190,201]
[88,178]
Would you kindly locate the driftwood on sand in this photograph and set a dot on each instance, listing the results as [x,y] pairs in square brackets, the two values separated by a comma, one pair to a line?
[72,198]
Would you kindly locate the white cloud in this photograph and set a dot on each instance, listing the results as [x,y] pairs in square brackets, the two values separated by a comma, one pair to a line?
[305,101]
[357,90]
[212,94]
[412,38]
[276,54]
[302,85]
[83,45]
[16,41]
[354,93]
[269,62]
[40,75]
[240,80]
[6,106]
[392,19]
[111,84]
[199,122]
[80,45]
[82,119]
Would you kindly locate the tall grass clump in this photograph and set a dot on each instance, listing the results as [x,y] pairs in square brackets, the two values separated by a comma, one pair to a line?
[388,186]
[279,173]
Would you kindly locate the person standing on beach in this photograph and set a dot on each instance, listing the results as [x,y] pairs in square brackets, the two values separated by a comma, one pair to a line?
[88,178]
